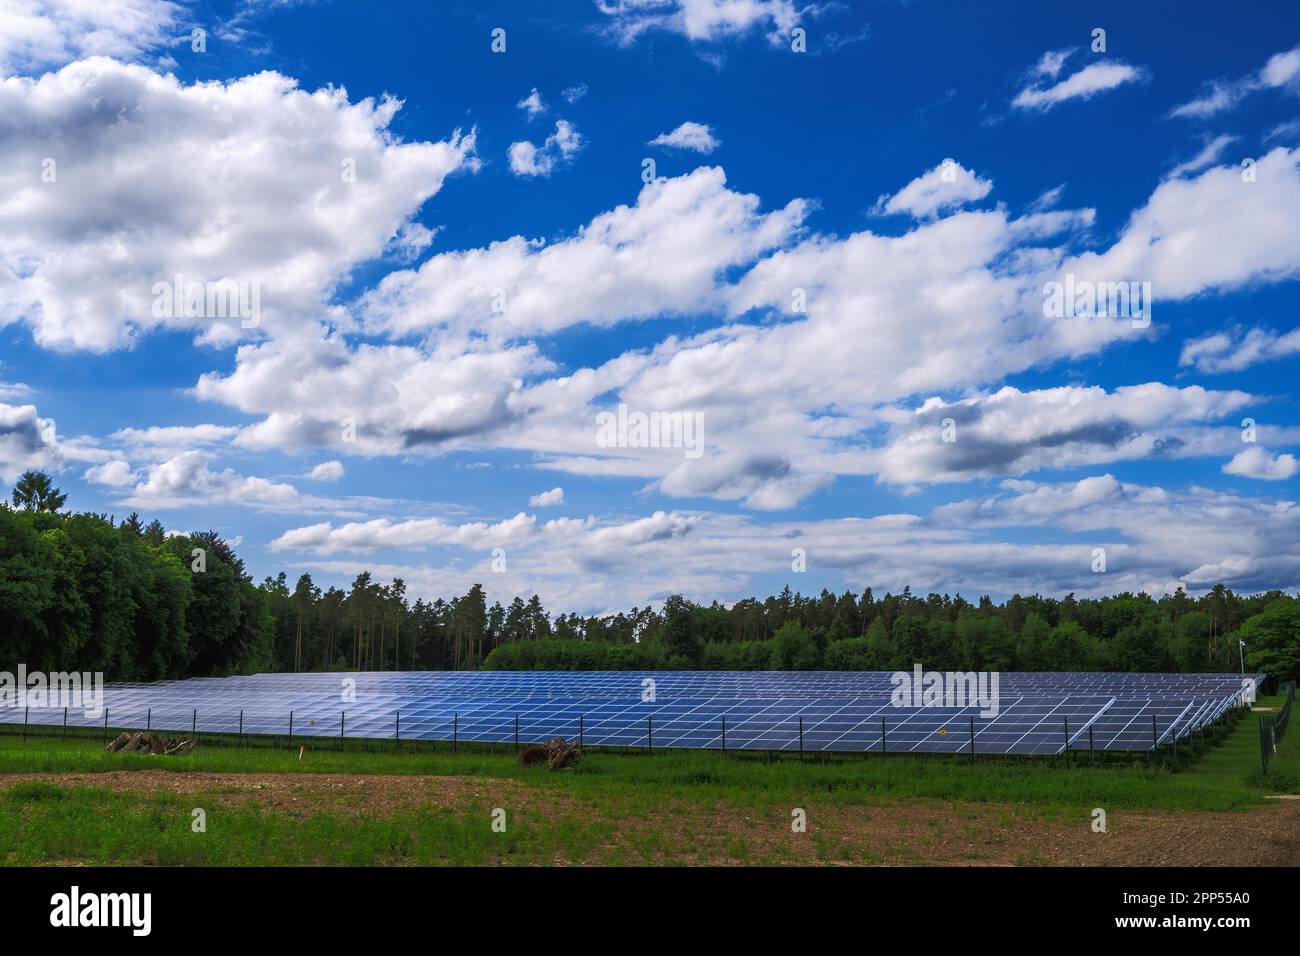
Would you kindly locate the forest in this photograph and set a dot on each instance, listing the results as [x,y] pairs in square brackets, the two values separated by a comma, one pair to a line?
[91,593]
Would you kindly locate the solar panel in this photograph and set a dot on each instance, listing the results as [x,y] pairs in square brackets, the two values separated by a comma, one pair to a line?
[1037,713]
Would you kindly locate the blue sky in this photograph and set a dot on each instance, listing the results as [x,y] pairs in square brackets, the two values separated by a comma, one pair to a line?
[460,251]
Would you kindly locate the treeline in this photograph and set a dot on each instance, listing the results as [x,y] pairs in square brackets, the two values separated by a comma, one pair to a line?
[1127,632]
[85,592]
[81,592]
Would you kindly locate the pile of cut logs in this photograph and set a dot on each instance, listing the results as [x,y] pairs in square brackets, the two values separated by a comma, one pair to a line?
[557,753]
[150,743]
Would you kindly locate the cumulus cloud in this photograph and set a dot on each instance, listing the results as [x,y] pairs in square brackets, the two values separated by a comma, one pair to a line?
[371,399]
[693,136]
[547,499]
[1282,70]
[1093,80]
[529,159]
[383,534]
[154,179]
[115,474]
[187,480]
[36,35]
[1011,432]
[952,304]
[663,255]
[946,186]
[27,441]
[1175,241]
[1259,463]
[326,471]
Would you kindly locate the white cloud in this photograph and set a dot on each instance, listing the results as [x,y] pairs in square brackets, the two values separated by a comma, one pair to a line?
[116,474]
[1012,432]
[694,136]
[1259,463]
[1092,80]
[1049,65]
[528,159]
[326,471]
[547,499]
[532,104]
[1176,240]
[955,303]
[948,185]
[1281,71]
[186,480]
[1208,155]
[235,182]
[663,255]
[36,35]
[1236,349]
[170,440]
[701,20]
[398,398]
[382,534]
[27,441]
[572,94]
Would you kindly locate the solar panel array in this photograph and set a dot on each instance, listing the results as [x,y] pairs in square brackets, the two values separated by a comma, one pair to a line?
[1039,713]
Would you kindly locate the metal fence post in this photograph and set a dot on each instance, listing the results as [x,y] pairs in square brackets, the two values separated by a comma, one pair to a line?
[65,723]
[649,733]
[1066,752]
[241,726]
[148,719]
[290,730]
[724,733]
[883,748]
[516,733]
[972,737]
[343,714]
[801,738]
[1155,741]
[194,724]
[1092,756]
[106,724]
[455,731]
[580,730]
[397,733]
[26,710]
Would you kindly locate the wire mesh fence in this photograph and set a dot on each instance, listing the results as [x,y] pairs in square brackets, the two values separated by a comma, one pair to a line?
[1272,727]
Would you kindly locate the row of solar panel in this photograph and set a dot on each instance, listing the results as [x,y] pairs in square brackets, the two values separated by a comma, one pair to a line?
[694,683]
[787,716]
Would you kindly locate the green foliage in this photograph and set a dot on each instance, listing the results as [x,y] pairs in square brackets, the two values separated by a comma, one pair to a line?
[793,649]
[1273,640]
[571,655]
[34,491]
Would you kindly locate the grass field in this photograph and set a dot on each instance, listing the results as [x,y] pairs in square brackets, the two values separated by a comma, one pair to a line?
[70,802]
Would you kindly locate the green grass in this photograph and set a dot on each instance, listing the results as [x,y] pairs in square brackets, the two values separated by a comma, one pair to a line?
[92,826]
[42,821]
[1219,779]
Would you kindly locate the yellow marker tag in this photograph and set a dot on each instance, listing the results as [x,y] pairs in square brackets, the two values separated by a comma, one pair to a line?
[300,750]
[943,731]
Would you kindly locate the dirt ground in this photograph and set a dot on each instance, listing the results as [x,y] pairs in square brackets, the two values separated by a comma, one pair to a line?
[917,833]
